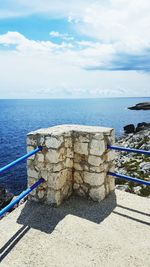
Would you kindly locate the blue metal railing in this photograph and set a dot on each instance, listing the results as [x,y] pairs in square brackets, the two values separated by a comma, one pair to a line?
[28,190]
[122,176]
[126,177]
[133,150]
[21,196]
[12,164]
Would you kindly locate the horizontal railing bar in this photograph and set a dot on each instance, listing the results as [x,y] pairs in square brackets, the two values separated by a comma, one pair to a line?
[10,165]
[139,151]
[21,196]
[122,176]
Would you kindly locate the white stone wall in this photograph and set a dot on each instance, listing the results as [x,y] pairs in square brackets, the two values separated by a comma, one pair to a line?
[74,159]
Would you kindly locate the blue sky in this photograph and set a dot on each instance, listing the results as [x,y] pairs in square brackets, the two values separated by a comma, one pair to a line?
[75,49]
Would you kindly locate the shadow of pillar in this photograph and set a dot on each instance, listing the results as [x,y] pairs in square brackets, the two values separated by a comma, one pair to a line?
[45,217]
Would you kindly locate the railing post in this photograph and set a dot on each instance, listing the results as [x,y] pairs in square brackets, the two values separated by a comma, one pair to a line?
[75,159]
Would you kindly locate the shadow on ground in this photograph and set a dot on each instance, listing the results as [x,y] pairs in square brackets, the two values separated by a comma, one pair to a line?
[45,218]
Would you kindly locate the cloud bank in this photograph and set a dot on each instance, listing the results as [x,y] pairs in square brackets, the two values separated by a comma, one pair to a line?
[114,40]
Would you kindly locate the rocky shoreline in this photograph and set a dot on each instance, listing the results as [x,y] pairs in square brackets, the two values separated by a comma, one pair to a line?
[135,165]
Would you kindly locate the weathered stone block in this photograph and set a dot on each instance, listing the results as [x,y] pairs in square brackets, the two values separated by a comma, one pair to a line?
[54,156]
[95,161]
[69,163]
[29,149]
[94,179]
[81,148]
[31,181]
[40,157]
[80,158]
[70,153]
[97,194]
[68,142]
[33,173]
[53,197]
[57,180]
[83,138]
[58,167]
[78,177]
[98,169]
[80,192]
[31,141]
[52,142]
[111,155]
[66,190]
[78,167]
[97,148]
[111,183]
[84,188]
[98,136]
[76,186]
[42,141]
[44,174]
[41,194]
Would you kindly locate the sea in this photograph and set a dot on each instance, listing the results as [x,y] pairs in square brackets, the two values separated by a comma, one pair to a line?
[18,117]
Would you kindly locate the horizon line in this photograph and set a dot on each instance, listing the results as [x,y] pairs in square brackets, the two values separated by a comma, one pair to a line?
[75,98]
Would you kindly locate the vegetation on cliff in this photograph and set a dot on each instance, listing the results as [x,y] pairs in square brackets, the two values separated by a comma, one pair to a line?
[135,165]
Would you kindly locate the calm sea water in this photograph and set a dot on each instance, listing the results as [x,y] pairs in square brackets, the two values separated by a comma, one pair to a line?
[18,117]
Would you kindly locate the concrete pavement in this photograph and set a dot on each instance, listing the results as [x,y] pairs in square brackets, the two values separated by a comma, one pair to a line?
[80,232]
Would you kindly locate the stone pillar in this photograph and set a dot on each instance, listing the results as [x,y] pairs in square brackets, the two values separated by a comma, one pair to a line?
[74,159]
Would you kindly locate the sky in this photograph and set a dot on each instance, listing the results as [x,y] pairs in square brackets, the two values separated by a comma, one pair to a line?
[74,49]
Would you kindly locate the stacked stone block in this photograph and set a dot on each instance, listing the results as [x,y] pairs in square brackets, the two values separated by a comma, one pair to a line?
[74,159]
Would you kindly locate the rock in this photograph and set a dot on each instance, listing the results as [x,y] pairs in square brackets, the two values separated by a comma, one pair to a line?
[123,187]
[95,161]
[130,128]
[97,194]
[5,197]
[141,126]
[40,157]
[81,148]
[69,163]
[57,180]
[94,179]
[53,156]
[53,197]
[97,148]
[137,189]
[78,177]
[139,106]
[145,167]
[32,173]
[52,142]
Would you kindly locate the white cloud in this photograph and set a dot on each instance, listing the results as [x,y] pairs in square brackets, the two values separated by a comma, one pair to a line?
[119,36]
[122,22]
[63,36]
[120,25]
[37,69]
[23,44]
[79,54]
